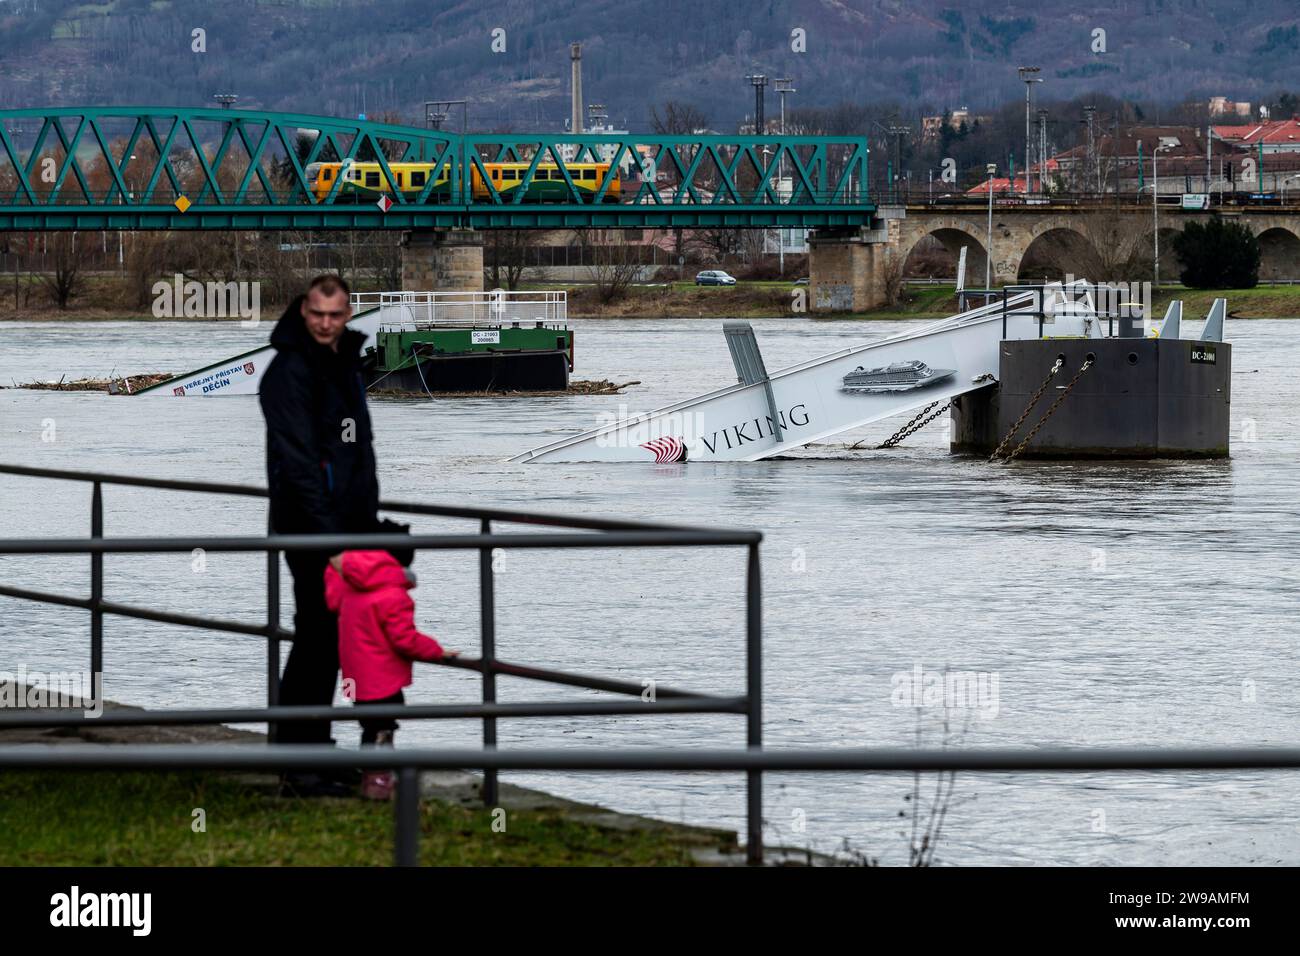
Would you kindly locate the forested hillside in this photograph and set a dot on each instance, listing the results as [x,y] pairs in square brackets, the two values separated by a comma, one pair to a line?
[342,56]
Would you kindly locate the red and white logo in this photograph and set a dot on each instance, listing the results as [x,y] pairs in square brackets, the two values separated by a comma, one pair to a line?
[178,391]
[666,449]
[248,368]
[384,204]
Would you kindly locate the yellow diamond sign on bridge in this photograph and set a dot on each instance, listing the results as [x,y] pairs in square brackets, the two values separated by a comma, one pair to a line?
[182,203]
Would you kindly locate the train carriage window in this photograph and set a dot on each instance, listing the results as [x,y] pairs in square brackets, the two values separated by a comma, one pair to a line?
[417,177]
[327,174]
[399,178]
[541,174]
[512,174]
[589,174]
[372,179]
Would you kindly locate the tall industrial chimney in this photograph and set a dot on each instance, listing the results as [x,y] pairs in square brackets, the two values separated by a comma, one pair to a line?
[575,57]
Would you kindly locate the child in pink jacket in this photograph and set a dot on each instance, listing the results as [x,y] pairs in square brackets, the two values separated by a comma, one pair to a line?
[378,640]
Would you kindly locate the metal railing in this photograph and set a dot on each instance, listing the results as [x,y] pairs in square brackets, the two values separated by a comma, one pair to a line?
[607,534]
[1073,300]
[753,760]
[494,307]
[1002,199]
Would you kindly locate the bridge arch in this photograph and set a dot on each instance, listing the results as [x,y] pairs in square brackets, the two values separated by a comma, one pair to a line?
[951,234]
[1279,253]
[1053,248]
[1055,252]
[1100,248]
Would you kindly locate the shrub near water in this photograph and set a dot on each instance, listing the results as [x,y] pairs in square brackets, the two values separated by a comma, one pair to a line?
[1218,255]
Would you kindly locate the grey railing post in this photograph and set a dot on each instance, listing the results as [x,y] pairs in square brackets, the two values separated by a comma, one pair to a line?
[406,822]
[487,625]
[96,585]
[754,694]
[272,630]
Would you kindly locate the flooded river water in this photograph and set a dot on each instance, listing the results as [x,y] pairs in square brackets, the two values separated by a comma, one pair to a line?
[1114,604]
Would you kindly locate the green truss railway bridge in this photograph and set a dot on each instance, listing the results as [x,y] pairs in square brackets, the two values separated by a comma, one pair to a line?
[163,168]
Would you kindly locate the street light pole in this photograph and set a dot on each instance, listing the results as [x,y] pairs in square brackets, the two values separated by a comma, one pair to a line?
[1042,149]
[1090,162]
[898,132]
[1155,208]
[784,85]
[1284,182]
[1027,74]
[988,242]
[759,82]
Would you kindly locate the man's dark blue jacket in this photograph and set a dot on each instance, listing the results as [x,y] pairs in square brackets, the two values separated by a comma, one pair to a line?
[320,462]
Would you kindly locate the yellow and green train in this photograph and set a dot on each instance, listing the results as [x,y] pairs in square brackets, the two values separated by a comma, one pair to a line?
[366,182]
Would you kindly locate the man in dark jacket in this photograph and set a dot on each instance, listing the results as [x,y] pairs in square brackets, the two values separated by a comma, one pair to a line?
[321,473]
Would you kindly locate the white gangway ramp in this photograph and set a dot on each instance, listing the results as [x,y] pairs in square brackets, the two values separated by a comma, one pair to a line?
[831,394]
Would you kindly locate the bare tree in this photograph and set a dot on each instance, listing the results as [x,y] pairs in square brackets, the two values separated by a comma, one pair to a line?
[149,256]
[892,275]
[384,260]
[1108,246]
[717,244]
[507,251]
[613,263]
[11,247]
[65,276]
[678,119]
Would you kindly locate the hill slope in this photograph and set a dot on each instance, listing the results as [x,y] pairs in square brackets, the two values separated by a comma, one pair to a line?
[336,56]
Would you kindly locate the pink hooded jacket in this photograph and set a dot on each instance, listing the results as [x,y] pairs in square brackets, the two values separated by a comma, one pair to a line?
[377,634]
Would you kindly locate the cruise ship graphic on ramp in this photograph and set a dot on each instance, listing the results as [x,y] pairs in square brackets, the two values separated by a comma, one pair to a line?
[898,377]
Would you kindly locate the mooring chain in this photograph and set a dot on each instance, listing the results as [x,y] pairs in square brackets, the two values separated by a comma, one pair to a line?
[1051,408]
[915,425]
[1028,408]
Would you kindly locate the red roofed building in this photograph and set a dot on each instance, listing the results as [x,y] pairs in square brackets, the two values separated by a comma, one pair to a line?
[1277,136]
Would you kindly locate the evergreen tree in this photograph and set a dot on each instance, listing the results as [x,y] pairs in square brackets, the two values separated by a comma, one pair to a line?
[1218,255]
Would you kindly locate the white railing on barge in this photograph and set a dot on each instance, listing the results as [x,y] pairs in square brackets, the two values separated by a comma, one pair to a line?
[495,307]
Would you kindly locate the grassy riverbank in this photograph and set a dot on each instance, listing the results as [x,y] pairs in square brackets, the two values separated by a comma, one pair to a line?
[685,300]
[1262,302]
[79,818]
[139,819]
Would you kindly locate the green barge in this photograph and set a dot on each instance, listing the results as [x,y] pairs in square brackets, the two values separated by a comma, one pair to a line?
[428,342]
[430,358]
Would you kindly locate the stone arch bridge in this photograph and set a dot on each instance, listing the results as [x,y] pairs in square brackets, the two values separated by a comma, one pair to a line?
[851,269]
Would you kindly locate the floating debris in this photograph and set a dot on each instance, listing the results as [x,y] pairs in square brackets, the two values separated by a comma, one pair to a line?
[576,387]
[133,383]
[114,386]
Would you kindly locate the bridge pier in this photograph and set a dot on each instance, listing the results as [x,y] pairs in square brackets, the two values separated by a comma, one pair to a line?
[849,268]
[442,260]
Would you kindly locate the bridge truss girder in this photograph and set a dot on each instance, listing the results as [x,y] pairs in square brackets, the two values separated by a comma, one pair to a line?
[128,167]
